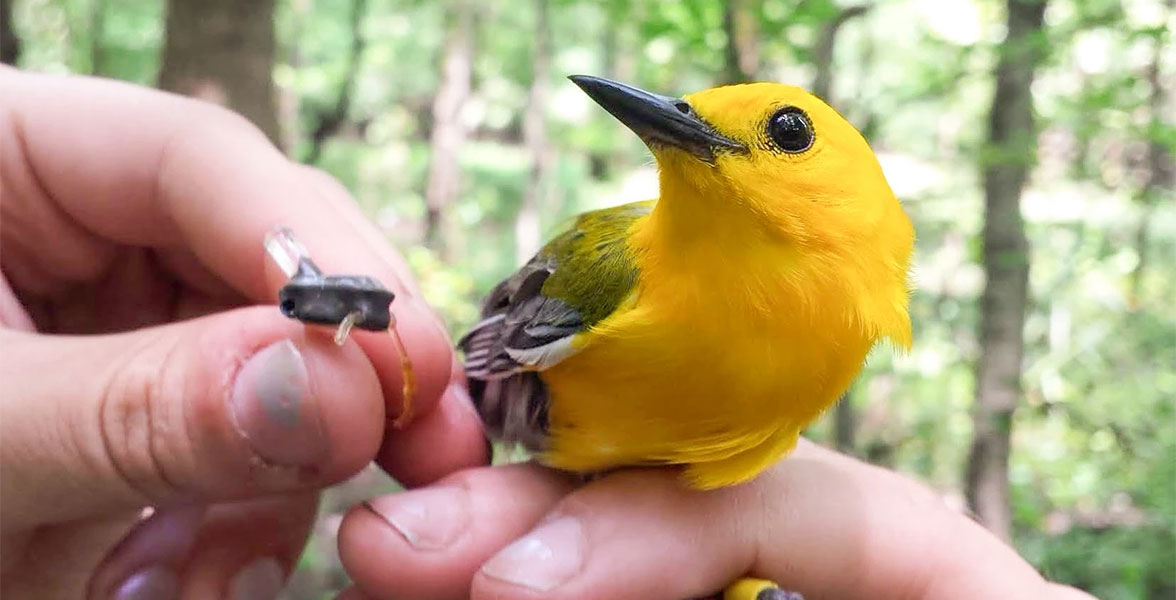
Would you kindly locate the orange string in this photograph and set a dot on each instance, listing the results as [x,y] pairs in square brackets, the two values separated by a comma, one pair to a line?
[408,377]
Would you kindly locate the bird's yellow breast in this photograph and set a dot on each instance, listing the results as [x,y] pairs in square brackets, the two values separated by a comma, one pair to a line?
[717,361]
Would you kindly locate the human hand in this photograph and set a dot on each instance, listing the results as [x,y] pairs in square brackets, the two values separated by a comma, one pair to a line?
[818,522]
[136,218]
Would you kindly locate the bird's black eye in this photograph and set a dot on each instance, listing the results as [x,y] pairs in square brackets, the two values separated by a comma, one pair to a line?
[791,130]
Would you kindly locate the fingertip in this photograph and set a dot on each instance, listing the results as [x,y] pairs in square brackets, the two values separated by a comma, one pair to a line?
[429,358]
[350,402]
[429,542]
[365,250]
[380,559]
[447,439]
[248,549]
[302,403]
[632,534]
[158,543]
[414,551]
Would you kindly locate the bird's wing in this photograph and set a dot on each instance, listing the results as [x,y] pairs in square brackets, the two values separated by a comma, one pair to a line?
[529,320]
[575,281]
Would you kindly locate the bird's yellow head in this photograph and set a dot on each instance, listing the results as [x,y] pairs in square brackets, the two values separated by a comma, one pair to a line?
[774,174]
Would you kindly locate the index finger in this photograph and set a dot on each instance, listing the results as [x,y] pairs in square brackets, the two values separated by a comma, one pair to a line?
[145,168]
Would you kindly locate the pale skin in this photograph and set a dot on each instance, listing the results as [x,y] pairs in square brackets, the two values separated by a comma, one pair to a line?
[127,213]
[131,211]
[818,522]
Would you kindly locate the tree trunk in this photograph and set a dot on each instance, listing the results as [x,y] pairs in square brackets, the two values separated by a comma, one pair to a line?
[620,62]
[845,424]
[822,86]
[741,26]
[289,54]
[223,51]
[9,43]
[330,122]
[1007,160]
[527,224]
[1161,174]
[448,133]
[98,58]
[600,161]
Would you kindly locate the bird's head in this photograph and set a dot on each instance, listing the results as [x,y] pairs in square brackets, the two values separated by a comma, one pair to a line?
[785,171]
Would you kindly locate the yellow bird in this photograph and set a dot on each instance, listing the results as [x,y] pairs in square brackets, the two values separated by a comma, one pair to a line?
[706,328]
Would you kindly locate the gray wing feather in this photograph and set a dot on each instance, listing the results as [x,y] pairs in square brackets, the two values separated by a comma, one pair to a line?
[521,332]
[521,329]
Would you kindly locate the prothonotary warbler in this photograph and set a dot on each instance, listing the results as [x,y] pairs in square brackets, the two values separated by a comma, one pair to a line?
[708,327]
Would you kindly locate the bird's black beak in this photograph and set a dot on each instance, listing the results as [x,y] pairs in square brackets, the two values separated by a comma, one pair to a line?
[658,120]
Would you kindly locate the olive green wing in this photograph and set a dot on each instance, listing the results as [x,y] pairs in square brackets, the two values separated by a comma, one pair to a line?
[529,320]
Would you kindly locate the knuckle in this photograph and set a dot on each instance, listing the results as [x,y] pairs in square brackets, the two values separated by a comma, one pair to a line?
[321,177]
[208,116]
[141,420]
[206,127]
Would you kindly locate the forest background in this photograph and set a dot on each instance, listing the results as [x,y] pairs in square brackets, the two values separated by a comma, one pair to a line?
[1031,141]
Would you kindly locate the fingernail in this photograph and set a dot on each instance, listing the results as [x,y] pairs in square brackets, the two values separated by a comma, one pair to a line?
[259,580]
[544,559]
[429,519]
[152,583]
[274,409]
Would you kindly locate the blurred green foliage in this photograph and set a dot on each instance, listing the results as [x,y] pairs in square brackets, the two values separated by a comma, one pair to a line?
[1093,470]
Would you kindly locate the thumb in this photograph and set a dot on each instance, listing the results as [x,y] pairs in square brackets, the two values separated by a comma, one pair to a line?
[239,404]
